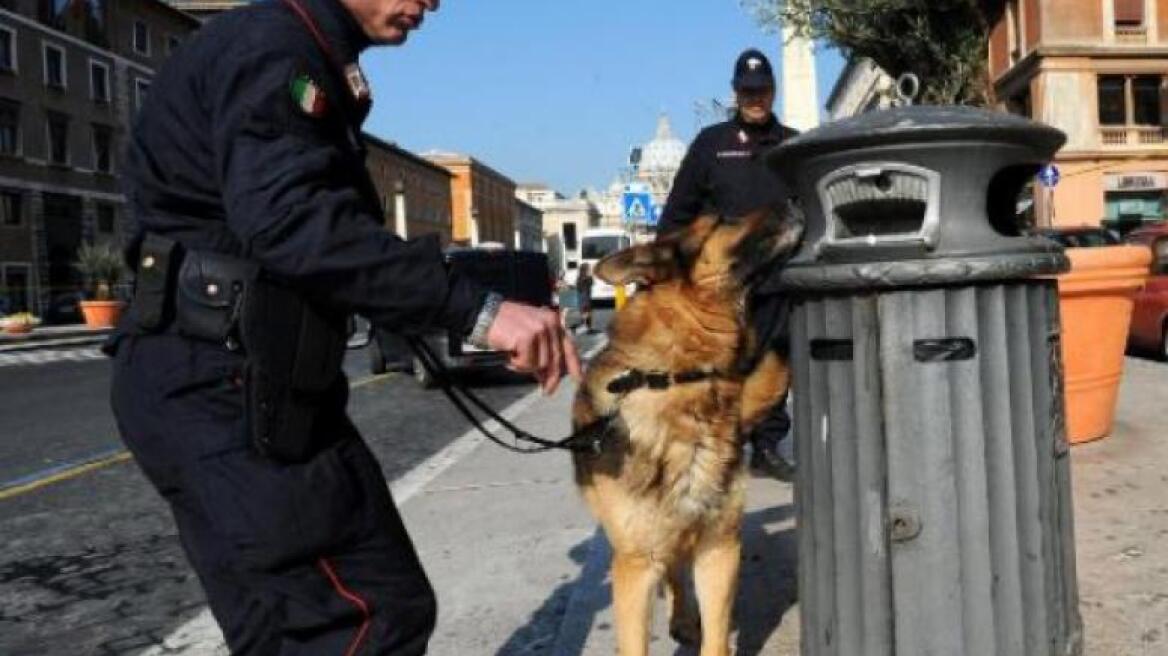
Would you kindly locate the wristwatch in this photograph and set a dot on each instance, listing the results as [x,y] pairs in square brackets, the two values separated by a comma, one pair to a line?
[490,310]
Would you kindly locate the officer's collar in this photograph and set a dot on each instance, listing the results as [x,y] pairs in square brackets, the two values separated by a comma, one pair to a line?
[756,128]
[339,26]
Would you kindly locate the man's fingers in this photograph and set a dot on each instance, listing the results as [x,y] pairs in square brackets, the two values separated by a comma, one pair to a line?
[571,357]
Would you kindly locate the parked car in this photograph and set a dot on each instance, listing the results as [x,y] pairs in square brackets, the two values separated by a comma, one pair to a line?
[1149,326]
[1081,236]
[517,275]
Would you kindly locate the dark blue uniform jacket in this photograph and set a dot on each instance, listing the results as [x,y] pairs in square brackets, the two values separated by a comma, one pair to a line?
[723,173]
[223,158]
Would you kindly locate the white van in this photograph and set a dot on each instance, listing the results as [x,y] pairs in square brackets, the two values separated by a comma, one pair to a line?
[596,244]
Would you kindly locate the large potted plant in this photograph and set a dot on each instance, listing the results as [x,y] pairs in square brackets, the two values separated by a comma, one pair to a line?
[102,266]
[946,44]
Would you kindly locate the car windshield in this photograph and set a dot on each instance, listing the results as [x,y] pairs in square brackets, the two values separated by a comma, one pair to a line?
[597,247]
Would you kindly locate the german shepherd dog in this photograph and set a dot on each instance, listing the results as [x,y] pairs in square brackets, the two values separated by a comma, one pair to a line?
[668,401]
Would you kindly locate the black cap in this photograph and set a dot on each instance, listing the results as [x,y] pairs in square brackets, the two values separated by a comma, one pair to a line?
[753,71]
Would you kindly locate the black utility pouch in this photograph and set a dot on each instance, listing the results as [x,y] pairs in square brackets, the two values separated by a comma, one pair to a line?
[209,292]
[152,306]
[295,351]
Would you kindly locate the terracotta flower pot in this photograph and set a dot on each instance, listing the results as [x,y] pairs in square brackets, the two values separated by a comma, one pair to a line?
[18,328]
[1095,300]
[102,314]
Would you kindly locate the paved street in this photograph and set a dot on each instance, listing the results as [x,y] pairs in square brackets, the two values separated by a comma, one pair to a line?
[91,564]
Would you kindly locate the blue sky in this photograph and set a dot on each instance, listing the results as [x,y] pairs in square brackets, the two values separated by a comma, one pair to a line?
[558,90]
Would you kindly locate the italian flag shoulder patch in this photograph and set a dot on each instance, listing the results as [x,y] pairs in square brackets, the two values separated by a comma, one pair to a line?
[308,96]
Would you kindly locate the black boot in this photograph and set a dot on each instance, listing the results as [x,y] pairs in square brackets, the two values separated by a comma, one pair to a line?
[765,459]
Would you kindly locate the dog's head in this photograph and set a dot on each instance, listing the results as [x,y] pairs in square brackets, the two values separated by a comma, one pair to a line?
[711,254]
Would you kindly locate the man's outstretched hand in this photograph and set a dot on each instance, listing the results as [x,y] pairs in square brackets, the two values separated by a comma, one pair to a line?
[537,343]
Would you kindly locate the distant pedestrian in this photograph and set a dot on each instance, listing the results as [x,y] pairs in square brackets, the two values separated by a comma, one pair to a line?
[724,171]
[584,295]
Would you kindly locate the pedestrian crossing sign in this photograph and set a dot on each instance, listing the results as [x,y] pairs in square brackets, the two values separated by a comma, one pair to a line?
[637,207]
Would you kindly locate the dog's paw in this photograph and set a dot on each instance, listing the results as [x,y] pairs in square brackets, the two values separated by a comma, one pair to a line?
[687,629]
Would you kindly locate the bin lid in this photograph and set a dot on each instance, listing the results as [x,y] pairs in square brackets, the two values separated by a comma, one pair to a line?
[913,125]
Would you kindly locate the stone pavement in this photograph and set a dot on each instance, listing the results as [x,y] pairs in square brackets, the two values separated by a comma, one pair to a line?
[521,569]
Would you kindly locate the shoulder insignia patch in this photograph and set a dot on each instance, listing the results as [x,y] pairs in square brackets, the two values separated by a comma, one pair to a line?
[308,96]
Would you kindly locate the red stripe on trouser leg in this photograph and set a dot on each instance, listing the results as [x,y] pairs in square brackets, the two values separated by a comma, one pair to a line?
[352,598]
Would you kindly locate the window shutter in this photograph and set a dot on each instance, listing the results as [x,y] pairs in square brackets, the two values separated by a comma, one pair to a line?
[1129,12]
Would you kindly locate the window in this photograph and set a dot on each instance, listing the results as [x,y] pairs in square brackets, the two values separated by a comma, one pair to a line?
[11,209]
[106,218]
[141,90]
[54,66]
[103,149]
[570,236]
[58,132]
[141,38]
[14,288]
[1112,103]
[1129,13]
[172,43]
[9,127]
[99,81]
[1130,100]
[1146,99]
[7,49]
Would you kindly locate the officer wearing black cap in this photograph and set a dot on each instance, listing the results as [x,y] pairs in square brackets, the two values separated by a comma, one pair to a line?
[723,172]
[258,232]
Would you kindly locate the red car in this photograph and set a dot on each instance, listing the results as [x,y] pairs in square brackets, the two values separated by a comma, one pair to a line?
[1149,327]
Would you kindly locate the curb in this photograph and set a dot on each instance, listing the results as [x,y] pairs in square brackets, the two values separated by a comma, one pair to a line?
[33,342]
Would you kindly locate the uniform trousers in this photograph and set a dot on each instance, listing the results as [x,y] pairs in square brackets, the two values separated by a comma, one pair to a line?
[309,558]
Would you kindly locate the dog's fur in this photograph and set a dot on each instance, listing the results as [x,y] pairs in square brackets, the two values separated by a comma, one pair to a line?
[668,484]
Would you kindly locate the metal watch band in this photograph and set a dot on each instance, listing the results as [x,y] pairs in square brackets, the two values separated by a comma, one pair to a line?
[490,309]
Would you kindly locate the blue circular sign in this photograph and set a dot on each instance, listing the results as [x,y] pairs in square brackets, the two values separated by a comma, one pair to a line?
[1049,175]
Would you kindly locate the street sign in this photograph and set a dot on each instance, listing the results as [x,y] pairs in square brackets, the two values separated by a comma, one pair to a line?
[1049,175]
[637,207]
[656,217]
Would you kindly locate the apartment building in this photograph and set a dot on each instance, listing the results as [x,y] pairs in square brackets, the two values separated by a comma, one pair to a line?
[72,76]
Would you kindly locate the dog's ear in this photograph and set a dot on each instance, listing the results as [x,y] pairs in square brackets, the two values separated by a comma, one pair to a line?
[643,264]
[670,256]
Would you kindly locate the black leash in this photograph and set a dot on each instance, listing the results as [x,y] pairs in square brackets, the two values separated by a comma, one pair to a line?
[589,439]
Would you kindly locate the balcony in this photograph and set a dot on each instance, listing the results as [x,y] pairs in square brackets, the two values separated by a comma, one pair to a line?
[1131,35]
[1133,136]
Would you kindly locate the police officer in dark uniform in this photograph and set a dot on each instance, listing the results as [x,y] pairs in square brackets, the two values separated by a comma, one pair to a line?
[258,233]
[723,172]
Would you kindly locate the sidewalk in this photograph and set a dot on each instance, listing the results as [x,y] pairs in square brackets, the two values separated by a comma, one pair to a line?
[521,569]
[52,337]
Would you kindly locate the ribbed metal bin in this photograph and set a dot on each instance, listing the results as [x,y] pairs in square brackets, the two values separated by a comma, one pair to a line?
[933,491]
[933,500]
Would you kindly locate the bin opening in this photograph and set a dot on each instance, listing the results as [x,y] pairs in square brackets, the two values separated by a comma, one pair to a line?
[1010,199]
[872,204]
[880,218]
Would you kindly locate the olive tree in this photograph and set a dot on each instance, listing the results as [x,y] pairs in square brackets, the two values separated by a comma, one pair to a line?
[943,42]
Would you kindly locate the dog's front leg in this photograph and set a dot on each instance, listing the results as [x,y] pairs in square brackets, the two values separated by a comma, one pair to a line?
[716,581]
[634,580]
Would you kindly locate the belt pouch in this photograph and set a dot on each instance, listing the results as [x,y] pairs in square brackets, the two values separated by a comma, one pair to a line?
[294,363]
[152,306]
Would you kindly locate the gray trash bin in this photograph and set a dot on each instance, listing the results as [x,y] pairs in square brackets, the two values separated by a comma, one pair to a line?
[933,487]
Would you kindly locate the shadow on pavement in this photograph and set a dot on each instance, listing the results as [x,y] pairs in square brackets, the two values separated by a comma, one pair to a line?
[766,591]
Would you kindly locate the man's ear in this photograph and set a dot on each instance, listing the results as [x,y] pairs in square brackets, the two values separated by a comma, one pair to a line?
[644,264]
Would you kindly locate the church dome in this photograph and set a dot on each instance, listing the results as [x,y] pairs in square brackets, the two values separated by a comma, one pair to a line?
[665,151]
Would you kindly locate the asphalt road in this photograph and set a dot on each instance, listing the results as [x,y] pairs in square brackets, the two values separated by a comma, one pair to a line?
[91,563]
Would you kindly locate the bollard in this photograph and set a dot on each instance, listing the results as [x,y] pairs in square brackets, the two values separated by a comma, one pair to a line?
[620,297]
[933,486]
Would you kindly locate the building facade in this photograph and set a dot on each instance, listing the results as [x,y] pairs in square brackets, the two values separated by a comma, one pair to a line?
[528,227]
[482,200]
[564,220]
[1098,70]
[72,76]
[415,193]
